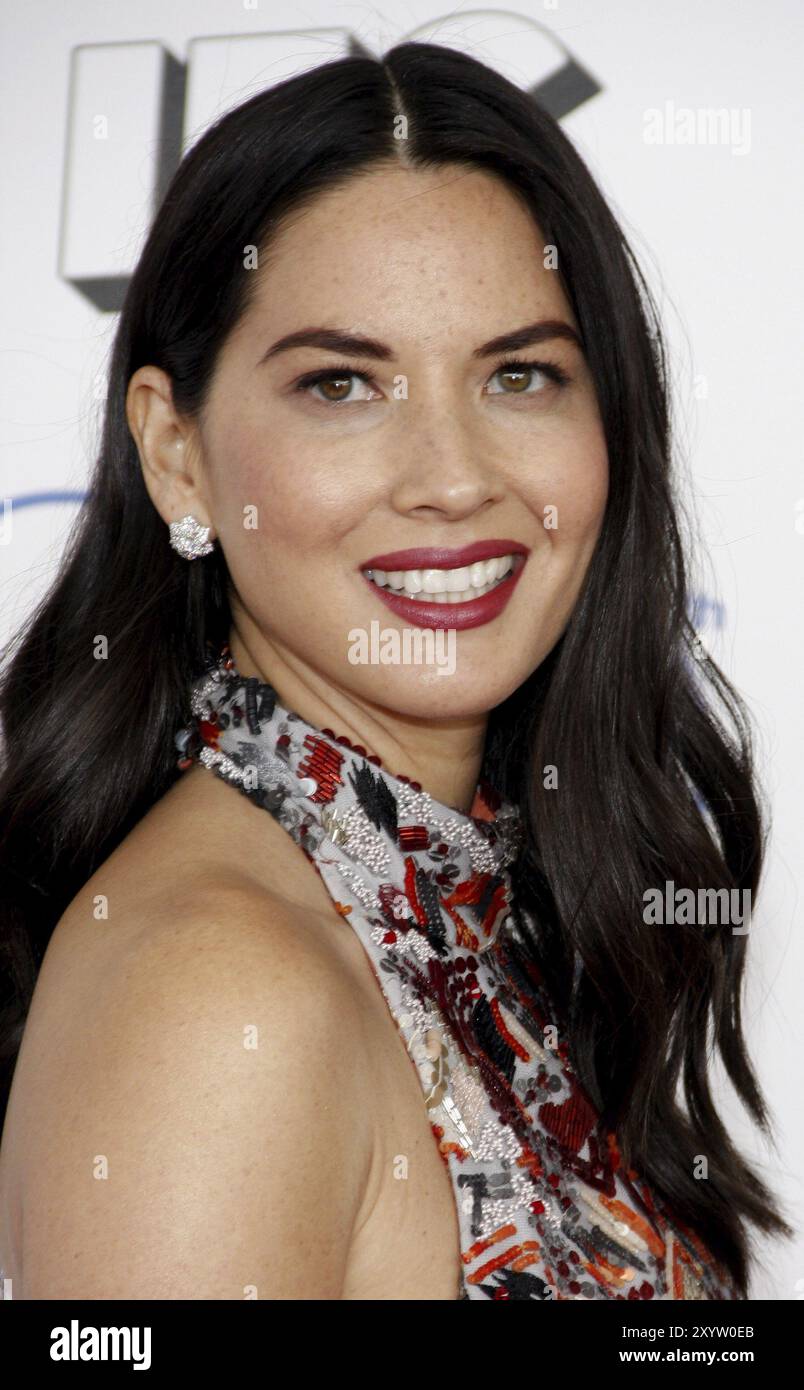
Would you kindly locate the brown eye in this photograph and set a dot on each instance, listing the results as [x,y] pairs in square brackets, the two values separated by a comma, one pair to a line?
[528,378]
[335,386]
[518,380]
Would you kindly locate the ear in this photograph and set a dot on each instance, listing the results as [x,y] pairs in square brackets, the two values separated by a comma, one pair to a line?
[168,448]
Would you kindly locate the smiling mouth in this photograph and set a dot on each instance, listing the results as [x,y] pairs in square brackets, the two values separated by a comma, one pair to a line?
[435,585]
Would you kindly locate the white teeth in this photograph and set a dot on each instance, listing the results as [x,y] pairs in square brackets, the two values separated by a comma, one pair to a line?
[446,586]
[433,581]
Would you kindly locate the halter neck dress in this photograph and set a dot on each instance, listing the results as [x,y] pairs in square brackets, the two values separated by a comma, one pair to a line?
[545,1206]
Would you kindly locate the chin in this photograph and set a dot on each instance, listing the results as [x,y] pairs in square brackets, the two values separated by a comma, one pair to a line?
[423,693]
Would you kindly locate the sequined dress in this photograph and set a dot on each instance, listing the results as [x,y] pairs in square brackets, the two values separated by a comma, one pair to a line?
[545,1206]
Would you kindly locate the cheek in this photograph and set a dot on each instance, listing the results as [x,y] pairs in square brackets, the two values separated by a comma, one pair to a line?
[278,493]
[584,499]
[569,493]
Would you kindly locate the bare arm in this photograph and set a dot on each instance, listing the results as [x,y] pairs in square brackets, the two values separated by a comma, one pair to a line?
[209,1135]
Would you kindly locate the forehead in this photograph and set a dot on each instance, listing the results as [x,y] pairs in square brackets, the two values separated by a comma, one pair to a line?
[396,250]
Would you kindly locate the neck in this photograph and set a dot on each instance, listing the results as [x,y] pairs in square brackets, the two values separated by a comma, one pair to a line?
[444,756]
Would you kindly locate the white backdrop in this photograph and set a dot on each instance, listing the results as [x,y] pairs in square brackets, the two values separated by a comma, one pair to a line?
[715,220]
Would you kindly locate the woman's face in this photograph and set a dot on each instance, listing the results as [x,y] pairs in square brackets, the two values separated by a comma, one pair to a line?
[427,442]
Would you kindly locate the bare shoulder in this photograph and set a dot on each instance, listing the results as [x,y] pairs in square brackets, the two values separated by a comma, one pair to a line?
[190,1112]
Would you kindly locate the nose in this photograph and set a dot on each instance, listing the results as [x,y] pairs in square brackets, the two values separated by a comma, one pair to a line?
[441,467]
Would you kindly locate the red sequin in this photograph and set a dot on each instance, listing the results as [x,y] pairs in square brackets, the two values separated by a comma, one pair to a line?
[413,837]
[209,731]
[323,764]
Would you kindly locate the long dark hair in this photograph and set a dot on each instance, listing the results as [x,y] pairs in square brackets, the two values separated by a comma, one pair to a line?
[642,736]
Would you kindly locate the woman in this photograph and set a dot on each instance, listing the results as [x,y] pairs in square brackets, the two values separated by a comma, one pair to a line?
[385,341]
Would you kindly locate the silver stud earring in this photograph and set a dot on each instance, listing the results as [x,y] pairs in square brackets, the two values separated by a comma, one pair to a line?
[190,538]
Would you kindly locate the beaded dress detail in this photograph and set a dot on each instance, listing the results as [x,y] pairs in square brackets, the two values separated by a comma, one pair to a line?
[545,1206]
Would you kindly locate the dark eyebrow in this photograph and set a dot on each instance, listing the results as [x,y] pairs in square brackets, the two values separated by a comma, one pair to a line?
[356,345]
[529,336]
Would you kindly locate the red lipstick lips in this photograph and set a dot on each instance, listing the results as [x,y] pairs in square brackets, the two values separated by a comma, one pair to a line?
[469,613]
[440,557]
